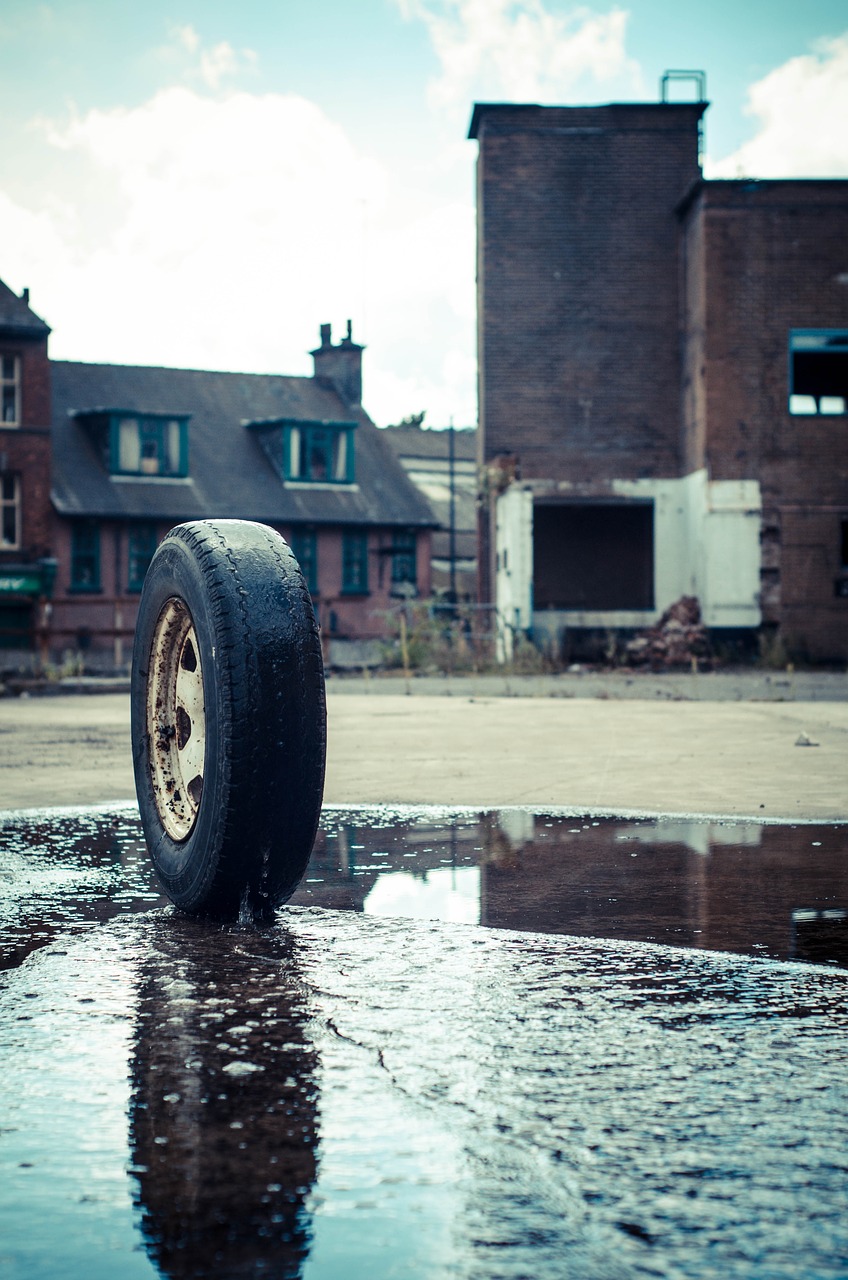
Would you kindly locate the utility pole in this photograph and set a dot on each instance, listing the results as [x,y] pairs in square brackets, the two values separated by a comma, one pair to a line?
[452,527]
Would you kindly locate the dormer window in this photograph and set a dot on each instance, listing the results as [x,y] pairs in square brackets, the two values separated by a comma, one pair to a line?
[10,391]
[318,453]
[148,445]
[309,452]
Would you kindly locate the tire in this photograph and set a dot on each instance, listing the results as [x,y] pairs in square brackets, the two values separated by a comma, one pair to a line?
[228,718]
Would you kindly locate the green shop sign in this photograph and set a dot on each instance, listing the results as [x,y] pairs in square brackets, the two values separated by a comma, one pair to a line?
[20,584]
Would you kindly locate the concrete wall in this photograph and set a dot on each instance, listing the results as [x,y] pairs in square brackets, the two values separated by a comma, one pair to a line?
[706,544]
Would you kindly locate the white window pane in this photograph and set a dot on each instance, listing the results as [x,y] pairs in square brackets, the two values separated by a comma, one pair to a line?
[340,456]
[294,452]
[802,404]
[173,447]
[129,445]
[831,404]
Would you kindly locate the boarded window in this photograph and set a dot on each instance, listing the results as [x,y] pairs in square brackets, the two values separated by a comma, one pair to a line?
[593,556]
[818,372]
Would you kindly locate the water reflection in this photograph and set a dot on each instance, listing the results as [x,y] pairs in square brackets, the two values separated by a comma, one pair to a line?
[778,891]
[747,887]
[224,1111]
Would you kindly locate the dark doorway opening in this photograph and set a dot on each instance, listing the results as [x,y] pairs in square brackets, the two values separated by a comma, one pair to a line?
[593,556]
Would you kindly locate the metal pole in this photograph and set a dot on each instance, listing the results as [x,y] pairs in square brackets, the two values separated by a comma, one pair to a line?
[452,544]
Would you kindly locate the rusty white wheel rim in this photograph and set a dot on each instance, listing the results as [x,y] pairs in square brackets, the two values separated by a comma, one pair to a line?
[176,720]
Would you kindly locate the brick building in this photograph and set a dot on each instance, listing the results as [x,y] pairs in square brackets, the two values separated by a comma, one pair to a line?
[26,567]
[663,383]
[133,451]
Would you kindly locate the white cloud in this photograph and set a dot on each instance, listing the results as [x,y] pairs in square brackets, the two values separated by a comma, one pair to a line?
[519,50]
[208,66]
[802,109]
[220,231]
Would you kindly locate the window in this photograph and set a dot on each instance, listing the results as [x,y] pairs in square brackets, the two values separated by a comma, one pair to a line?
[304,544]
[818,371]
[148,445]
[355,563]
[141,544]
[403,558]
[318,452]
[10,391]
[85,556]
[10,512]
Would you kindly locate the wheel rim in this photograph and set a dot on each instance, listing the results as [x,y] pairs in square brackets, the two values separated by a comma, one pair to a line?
[176,720]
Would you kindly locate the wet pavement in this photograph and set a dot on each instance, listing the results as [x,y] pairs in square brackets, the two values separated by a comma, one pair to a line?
[376,1085]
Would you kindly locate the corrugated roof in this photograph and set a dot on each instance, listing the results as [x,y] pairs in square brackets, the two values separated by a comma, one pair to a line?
[17,317]
[427,442]
[229,474]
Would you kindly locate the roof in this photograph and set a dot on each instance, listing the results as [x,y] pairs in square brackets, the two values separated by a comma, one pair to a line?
[409,441]
[17,319]
[653,115]
[230,475]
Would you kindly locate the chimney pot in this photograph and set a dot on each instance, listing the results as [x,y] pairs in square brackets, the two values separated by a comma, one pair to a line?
[326,335]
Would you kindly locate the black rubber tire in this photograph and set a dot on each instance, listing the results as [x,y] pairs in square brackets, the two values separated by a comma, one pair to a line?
[239,846]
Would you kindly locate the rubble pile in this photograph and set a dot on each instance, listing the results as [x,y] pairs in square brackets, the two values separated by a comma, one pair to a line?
[679,639]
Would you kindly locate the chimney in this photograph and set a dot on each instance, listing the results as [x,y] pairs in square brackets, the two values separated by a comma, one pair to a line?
[341,366]
[25,296]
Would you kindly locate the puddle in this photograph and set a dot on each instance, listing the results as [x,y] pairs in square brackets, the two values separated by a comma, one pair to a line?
[357,1092]
[761,889]
[343,1095]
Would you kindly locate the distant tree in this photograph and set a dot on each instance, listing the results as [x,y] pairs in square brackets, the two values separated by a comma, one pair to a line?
[411,420]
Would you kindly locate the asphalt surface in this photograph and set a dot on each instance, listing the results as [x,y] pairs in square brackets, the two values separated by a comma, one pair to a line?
[357,1094]
[443,745]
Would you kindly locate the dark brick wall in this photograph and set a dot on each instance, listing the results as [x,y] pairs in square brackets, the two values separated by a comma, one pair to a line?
[26,451]
[774,256]
[579,286]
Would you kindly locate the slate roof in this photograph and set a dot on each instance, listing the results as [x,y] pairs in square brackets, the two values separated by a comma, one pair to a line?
[17,319]
[229,473]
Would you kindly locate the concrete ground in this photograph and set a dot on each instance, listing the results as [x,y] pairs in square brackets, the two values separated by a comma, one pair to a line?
[613,751]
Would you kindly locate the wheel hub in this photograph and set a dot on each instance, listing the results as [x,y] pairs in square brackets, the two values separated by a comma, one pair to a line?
[176,720]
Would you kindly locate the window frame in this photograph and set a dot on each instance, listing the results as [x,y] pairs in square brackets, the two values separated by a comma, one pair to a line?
[355,563]
[154,445]
[12,383]
[136,532]
[304,543]
[335,440]
[404,551]
[811,341]
[12,503]
[79,529]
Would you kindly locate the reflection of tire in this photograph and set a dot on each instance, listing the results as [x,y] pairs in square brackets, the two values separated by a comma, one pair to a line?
[228,717]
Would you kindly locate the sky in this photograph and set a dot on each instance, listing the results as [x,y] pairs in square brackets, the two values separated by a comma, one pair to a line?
[203,183]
